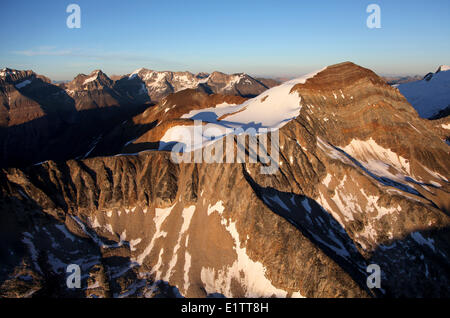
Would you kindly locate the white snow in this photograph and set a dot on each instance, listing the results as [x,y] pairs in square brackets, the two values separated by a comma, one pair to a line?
[160,217]
[372,205]
[250,274]
[218,110]
[28,240]
[327,180]
[66,233]
[429,97]
[4,72]
[271,110]
[23,84]
[187,217]
[332,152]
[91,79]
[377,159]
[143,89]
[346,202]
[194,137]
[443,68]
[435,174]
[203,80]
[187,266]
[135,73]
[216,207]
[235,79]
[414,128]
[133,243]
[417,236]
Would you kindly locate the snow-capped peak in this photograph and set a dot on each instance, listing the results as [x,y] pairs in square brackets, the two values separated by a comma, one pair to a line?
[272,109]
[91,79]
[443,68]
[6,71]
[93,76]
[135,73]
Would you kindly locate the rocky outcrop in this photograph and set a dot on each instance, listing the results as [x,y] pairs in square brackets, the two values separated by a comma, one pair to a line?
[96,90]
[41,121]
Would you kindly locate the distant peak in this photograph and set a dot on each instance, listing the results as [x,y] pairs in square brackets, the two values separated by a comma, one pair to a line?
[217,73]
[443,68]
[96,75]
[97,72]
[9,70]
[202,75]
[136,72]
[15,74]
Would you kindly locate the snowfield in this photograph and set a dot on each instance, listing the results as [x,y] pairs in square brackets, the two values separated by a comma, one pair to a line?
[429,97]
[91,79]
[23,84]
[270,110]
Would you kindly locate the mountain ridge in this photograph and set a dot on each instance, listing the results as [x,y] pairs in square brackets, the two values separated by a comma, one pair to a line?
[362,180]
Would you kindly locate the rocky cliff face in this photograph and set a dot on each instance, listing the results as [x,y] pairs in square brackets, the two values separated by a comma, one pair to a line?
[25,96]
[96,90]
[361,180]
[40,120]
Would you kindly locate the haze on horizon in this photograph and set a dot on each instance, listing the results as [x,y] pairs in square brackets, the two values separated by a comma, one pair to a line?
[261,38]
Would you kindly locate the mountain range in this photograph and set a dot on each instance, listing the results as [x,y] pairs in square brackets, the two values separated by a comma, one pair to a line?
[40,120]
[88,179]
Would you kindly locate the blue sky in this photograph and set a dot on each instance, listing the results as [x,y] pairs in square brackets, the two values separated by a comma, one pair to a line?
[264,38]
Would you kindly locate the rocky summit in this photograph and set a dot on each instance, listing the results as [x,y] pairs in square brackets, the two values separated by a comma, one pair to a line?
[361,180]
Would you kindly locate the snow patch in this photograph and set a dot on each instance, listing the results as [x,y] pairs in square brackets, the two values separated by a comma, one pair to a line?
[327,180]
[160,217]
[253,113]
[216,207]
[428,97]
[187,217]
[250,274]
[376,158]
[91,79]
[23,84]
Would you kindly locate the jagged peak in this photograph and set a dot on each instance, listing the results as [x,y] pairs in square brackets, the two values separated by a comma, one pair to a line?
[9,71]
[202,75]
[215,73]
[138,71]
[443,68]
[95,76]
[98,71]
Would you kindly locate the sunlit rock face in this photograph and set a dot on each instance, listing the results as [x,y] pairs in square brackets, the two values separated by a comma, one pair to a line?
[361,180]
